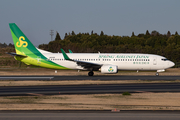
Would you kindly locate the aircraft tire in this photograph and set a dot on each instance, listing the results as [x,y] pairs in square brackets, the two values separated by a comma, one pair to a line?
[91,73]
[157,74]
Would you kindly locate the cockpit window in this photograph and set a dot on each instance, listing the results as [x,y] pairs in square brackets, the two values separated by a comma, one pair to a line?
[164,59]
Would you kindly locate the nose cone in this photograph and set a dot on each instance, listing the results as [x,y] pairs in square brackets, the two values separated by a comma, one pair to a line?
[171,64]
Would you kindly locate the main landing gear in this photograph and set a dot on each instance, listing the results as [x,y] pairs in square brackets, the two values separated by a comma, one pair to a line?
[157,74]
[91,73]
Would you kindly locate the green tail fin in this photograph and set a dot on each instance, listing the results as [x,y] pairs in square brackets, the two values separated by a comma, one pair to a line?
[27,53]
[22,44]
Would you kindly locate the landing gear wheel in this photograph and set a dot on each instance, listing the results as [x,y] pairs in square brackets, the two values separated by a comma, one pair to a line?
[157,74]
[91,73]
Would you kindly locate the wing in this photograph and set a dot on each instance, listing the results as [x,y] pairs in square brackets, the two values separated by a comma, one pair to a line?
[85,65]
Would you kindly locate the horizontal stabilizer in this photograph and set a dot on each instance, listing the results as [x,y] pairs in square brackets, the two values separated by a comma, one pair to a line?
[15,54]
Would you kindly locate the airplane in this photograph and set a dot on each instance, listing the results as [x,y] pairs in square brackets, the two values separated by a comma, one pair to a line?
[108,63]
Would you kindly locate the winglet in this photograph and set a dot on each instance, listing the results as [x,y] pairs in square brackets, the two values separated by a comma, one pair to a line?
[70,51]
[65,55]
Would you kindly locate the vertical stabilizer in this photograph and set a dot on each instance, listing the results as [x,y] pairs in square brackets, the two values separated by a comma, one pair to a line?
[25,48]
[22,44]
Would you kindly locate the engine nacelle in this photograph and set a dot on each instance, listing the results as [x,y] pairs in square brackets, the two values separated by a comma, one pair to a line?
[160,70]
[109,69]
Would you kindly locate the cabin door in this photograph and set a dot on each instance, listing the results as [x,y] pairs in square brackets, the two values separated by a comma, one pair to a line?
[154,61]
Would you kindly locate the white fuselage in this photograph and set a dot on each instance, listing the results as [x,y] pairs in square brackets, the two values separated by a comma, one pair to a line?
[122,61]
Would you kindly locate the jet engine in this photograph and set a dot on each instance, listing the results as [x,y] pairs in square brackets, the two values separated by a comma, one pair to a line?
[109,69]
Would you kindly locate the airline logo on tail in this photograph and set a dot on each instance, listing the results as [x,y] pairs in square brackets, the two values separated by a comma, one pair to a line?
[21,42]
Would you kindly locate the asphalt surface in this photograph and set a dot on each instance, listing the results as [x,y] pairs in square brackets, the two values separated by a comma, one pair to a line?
[55,115]
[112,77]
[89,89]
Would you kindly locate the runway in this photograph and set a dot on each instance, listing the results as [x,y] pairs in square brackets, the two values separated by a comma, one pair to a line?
[88,89]
[109,77]
[78,115]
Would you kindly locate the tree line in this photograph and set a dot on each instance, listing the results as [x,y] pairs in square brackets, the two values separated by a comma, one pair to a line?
[167,45]
[4,45]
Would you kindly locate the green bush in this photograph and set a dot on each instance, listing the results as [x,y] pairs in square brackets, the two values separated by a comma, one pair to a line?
[126,93]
